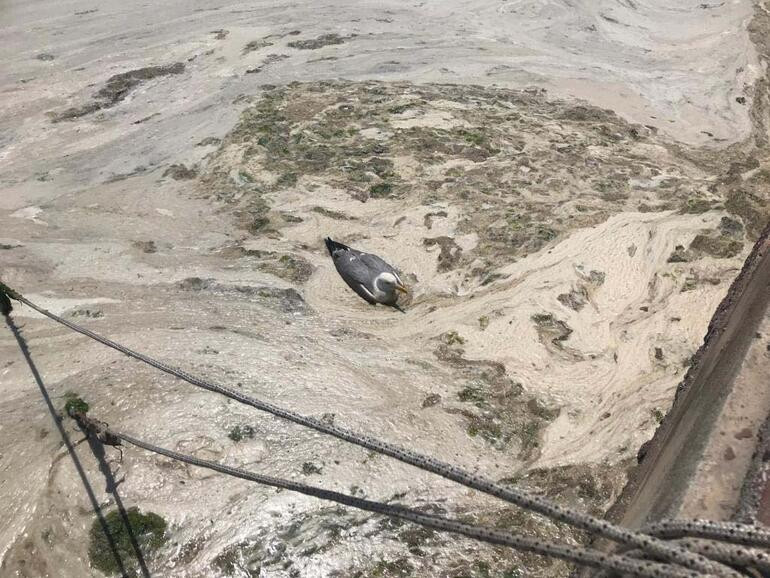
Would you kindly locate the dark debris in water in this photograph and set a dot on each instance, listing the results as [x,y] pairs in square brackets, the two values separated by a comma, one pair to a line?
[180,172]
[716,245]
[117,88]
[240,432]
[494,406]
[287,299]
[319,42]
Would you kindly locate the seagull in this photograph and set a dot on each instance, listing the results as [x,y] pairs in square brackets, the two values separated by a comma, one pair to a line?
[372,278]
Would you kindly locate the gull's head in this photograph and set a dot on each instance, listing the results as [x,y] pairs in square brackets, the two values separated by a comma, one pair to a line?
[389,282]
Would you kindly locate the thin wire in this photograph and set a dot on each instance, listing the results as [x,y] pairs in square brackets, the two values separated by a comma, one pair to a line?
[649,544]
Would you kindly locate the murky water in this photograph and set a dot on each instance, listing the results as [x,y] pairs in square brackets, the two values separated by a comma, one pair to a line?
[92,229]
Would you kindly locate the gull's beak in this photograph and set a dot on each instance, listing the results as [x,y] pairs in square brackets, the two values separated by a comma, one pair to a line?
[401,287]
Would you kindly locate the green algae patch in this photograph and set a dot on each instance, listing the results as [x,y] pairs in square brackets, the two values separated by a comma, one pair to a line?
[74,404]
[145,530]
[522,169]
[493,406]
[719,246]
[240,432]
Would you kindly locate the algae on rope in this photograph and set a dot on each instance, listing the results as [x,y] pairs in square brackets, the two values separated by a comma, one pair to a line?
[74,404]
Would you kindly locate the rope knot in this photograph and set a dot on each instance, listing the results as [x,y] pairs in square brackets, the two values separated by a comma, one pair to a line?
[94,427]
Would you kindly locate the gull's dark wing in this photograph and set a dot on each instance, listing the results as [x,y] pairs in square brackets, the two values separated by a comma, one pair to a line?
[377,265]
[356,273]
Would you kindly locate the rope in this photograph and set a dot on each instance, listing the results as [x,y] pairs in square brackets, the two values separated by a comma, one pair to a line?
[726,531]
[651,545]
[732,554]
[575,554]
[725,542]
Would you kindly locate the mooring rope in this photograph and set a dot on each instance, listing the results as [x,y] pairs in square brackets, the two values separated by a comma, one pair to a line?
[733,555]
[732,532]
[653,546]
[570,553]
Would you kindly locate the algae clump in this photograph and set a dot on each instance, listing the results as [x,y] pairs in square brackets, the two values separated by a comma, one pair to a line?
[147,531]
